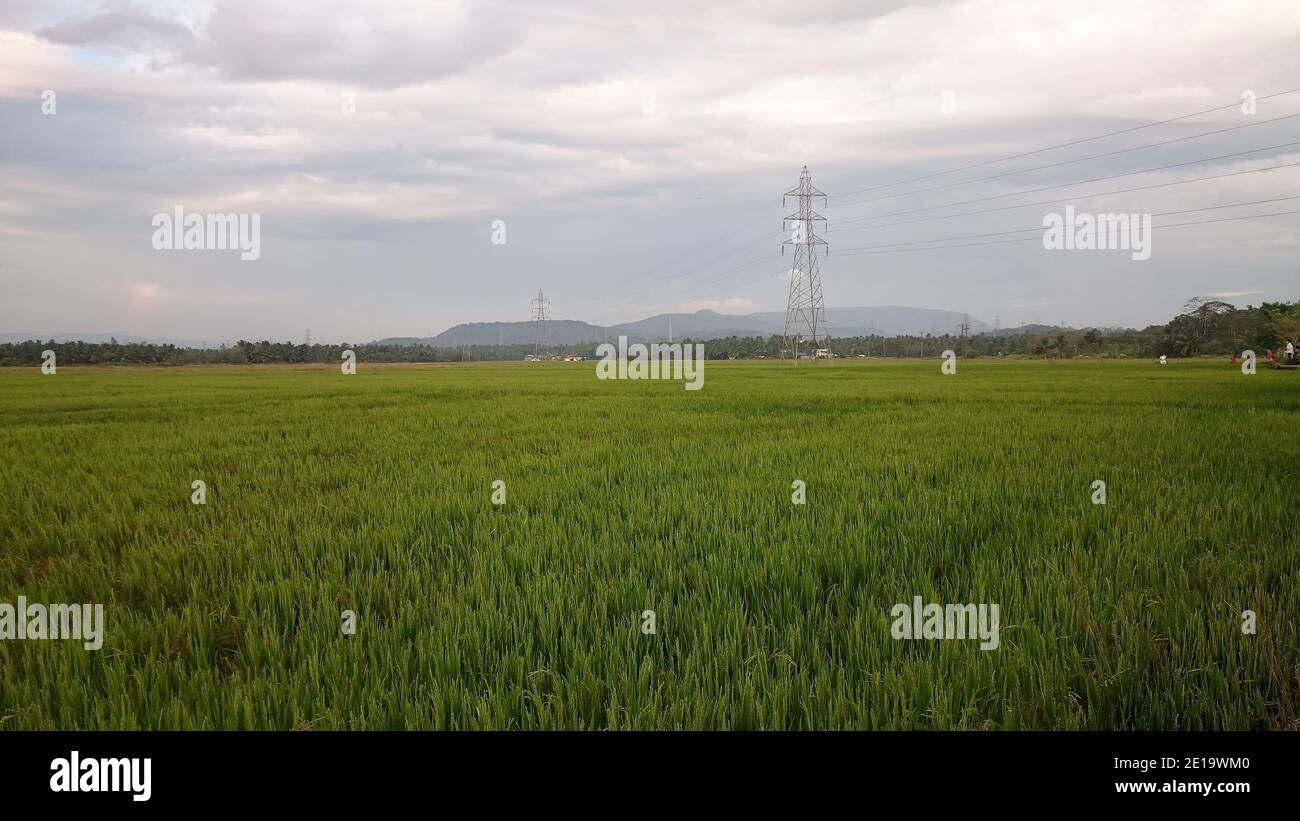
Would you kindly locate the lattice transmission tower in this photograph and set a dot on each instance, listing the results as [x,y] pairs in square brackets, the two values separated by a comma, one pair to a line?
[805,312]
[541,315]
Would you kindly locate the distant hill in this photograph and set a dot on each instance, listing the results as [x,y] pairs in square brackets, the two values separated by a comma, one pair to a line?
[1034,329]
[883,320]
[887,320]
[699,325]
[1031,329]
[558,332]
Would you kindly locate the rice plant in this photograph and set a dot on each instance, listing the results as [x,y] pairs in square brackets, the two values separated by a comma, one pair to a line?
[373,494]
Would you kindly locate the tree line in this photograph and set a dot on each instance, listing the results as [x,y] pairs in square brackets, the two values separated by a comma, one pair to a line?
[1206,326]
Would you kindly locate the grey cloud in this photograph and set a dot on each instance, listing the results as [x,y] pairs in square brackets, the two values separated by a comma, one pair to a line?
[532,113]
[355,45]
[124,30]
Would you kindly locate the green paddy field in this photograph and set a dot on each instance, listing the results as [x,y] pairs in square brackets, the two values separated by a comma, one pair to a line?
[373,493]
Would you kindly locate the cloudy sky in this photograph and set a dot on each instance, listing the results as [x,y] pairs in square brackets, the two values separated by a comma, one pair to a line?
[636,154]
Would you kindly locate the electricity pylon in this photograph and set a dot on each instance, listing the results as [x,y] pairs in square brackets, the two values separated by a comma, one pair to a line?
[805,311]
[541,315]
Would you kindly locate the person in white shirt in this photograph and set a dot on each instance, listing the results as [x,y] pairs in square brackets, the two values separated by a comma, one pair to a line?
[1162,359]
[1290,350]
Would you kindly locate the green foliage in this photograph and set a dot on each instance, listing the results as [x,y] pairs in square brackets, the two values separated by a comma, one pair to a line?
[1205,327]
[372,493]
[244,352]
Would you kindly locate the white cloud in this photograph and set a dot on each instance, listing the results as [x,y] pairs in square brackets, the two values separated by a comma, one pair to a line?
[470,111]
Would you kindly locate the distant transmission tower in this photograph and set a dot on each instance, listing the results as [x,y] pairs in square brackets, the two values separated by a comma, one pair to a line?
[541,315]
[308,342]
[805,312]
[965,337]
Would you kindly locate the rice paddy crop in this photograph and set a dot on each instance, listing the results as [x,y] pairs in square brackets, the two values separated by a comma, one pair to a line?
[372,493]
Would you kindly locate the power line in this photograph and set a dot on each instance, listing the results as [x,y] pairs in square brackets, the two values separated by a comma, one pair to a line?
[1061,145]
[626,298]
[1069,162]
[676,260]
[727,274]
[749,224]
[1062,199]
[1022,239]
[865,252]
[650,286]
[1085,182]
[724,275]
[629,297]
[849,251]
[634,293]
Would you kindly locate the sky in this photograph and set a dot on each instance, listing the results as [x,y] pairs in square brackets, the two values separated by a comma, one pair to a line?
[416,165]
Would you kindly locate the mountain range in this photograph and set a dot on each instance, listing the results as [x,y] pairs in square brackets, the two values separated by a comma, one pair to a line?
[887,320]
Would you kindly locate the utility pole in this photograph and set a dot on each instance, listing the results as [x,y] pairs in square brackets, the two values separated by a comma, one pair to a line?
[541,315]
[805,312]
[965,337]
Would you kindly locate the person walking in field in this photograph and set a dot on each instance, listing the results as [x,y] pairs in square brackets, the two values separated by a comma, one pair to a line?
[1290,351]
